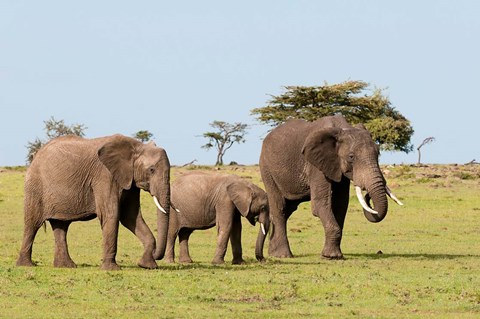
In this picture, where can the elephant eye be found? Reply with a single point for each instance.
(351, 158)
(151, 170)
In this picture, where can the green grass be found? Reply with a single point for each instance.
(422, 261)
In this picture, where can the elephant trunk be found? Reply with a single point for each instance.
(162, 201)
(378, 194)
(162, 230)
(262, 235)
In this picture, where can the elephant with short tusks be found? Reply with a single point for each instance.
(203, 200)
(302, 161)
(76, 179)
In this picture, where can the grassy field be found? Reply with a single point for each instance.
(422, 261)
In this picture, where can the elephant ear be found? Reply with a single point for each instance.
(320, 150)
(241, 196)
(117, 156)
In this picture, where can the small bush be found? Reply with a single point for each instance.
(465, 176)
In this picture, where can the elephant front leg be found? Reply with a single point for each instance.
(222, 242)
(136, 224)
(279, 246)
(183, 237)
(110, 237)
(170, 249)
(322, 208)
(236, 241)
(62, 257)
(333, 233)
(131, 217)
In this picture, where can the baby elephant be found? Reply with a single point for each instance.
(203, 200)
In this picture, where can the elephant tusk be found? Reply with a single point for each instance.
(155, 200)
(263, 229)
(392, 196)
(175, 208)
(362, 201)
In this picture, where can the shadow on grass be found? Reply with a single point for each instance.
(413, 256)
(299, 259)
(249, 265)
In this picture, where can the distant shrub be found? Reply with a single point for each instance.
(424, 180)
(198, 167)
(404, 172)
(465, 176)
(16, 168)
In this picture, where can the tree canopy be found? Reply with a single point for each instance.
(224, 137)
(143, 136)
(389, 128)
(53, 128)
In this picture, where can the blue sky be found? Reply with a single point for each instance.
(173, 67)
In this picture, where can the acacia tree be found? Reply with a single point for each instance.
(53, 128)
(388, 127)
(143, 136)
(425, 142)
(226, 135)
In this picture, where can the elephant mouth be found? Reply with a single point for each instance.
(253, 221)
(143, 185)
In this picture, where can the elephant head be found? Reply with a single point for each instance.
(351, 152)
(251, 201)
(145, 166)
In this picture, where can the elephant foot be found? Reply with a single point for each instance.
(332, 253)
(110, 266)
(185, 260)
(238, 261)
(260, 258)
(147, 264)
(280, 253)
(64, 263)
(334, 257)
(218, 261)
(169, 260)
(24, 262)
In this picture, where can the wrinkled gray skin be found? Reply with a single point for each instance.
(302, 161)
(204, 200)
(76, 179)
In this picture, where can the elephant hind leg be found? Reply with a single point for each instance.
(29, 233)
(62, 257)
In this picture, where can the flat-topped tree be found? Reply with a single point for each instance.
(352, 99)
(224, 137)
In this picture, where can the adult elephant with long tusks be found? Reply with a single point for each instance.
(302, 161)
(203, 200)
(73, 179)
